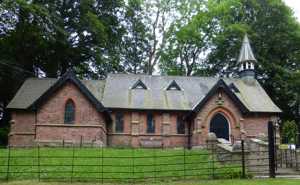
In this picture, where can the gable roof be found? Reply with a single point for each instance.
(30, 91)
(45, 90)
(33, 88)
(221, 85)
(69, 76)
(116, 92)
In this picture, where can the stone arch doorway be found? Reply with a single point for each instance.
(220, 126)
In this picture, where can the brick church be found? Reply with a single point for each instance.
(141, 110)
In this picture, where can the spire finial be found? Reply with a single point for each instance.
(246, 60)
(246, 53)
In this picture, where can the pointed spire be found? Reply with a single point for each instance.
(246, 53)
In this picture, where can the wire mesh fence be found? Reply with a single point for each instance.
(120, 164)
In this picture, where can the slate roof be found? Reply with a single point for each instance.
(116, 92)
(33, 88)
(30, 91)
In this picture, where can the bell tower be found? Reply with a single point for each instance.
(246, 60)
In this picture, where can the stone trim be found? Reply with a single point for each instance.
(259, 142)
(72, 125)
(128, 134)
(21, 133)
(135, 124)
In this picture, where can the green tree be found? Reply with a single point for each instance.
(158, 16)
(135, 42)
(188, 39)
(45, 37)
(275, 38)
(289, 132)
(208, 43)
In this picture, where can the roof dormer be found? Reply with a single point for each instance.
(173, 86)
(139, 85)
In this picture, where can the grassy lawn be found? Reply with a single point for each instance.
(113, 165)
(199, 182)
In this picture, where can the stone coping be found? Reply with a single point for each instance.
(21, 133)
(260, 142)
(143, 135)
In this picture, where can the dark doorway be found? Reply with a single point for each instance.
(220, 126)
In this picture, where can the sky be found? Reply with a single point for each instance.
(295, 5)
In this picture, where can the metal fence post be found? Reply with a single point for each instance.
(39, 169)
(271, 150)
(154, 164)
(133, 178)
(8, 163)
(102, 162)
(243, 160)
(73, 156)
(213, 160)
(184, 163)
(296, 160)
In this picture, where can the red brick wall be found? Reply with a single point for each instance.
(22, 130)
(256, 124)
(251, 125)
(128, 138)
(89, 124)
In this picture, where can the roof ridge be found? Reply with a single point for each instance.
(43, 78)
(177, 76)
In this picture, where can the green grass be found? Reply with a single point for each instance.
(187, 182)
(114, 165)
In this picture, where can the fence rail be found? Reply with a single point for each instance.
(122, 164)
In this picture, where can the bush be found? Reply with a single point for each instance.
(4, 136)
(289, 132)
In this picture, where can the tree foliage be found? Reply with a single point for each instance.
(208, 43)
(275, 39)
(289, 132)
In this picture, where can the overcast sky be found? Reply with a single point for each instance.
(295, 5)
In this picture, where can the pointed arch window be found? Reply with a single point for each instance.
(139, 85)
(173, 86)
(119, 122)
(244, 66)
(69, 112)
(150, 123)
(180, 125)
(220, 126)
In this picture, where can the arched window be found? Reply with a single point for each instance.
(150, 123)
(249, 65)
(220, 126)
(244, 66)
(69, 112)
(119, 127)
(180, 125)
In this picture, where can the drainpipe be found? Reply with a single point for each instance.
(189, 135)
(35, 122)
